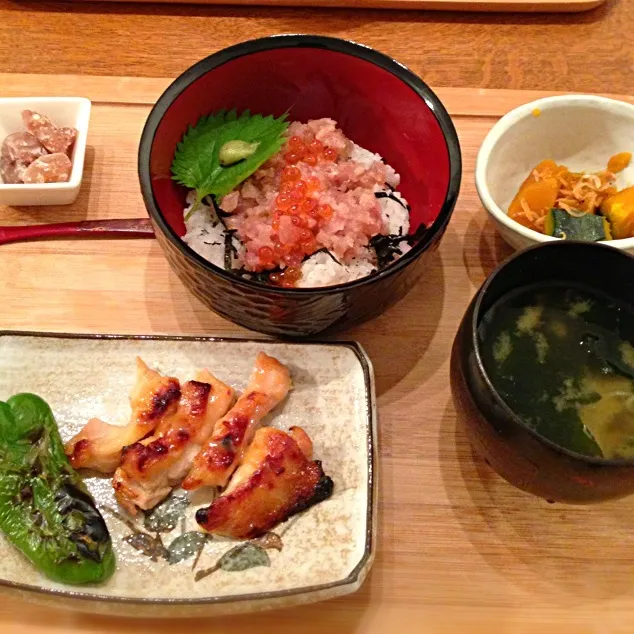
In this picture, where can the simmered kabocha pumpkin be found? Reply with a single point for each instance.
(533, 201)
(619, 162)
(576, 226)
(551, 187)
(619, 210)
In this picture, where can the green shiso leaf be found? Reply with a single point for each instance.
(197, 164)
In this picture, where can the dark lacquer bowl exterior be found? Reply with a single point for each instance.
(515, 451)
(379, 104)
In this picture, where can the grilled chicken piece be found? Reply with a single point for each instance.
(276, 480)
(150, 468)
(268, 386)
(98, 445)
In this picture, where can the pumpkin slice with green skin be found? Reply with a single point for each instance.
(576, 226)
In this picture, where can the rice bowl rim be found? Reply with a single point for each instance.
(347, 47)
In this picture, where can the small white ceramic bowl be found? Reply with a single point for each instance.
(62, 111)
(579, 131)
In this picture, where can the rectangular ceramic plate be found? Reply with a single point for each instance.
(327, 550)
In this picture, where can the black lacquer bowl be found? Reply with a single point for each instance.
(516, 452)
(378, 103)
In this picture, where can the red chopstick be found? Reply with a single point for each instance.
(124, 228)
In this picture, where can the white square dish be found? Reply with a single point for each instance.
(327, 549)
(63, 111)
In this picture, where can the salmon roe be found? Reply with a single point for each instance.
(286, 278)
(297, 216)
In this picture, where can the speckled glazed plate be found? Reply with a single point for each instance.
(326, 551)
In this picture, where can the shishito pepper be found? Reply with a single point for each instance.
(45, 508)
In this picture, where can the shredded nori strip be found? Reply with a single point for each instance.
(229, 248)
(263, 276)
(391, 196)
(219, 212)
(387, 248)
(418, 235)
(322, 250)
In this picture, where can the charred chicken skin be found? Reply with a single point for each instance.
(150, 468)
(268, 386)
(276, 479)
(99, 445)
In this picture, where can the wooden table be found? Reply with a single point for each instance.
(589, 52)
(460, 551)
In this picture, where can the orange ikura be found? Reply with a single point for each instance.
(297, 215)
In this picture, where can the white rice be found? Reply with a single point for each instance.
(321, 269)
(206, 235)
(395, 215)
(367, 158)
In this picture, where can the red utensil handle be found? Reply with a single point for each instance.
(128, 227)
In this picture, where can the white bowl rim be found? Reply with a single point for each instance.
(508, 121)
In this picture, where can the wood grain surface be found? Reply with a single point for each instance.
(586, 52)
(565, 6)
(459, 550)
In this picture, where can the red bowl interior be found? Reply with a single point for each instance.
(372, 106)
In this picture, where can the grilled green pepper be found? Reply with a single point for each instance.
(45, 508)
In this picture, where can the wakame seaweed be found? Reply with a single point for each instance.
(562, 359)
(45, 508)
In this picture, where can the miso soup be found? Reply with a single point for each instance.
(562, 359)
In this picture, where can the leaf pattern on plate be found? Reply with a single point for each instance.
(185, 546)
(165, 516)
(269, 541)
(150, 546)
(240, 557)
(243, 557)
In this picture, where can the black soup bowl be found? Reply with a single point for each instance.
(377, 102)
(514, 450)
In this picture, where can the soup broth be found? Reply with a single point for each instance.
(562, 359)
